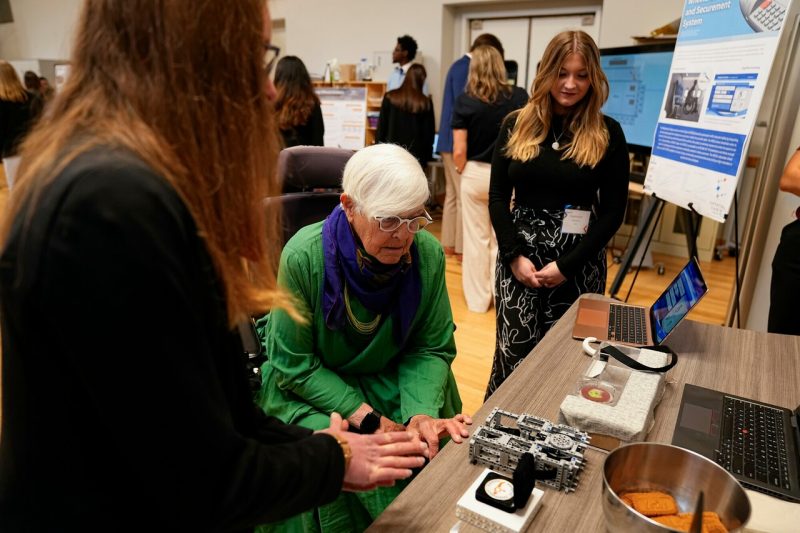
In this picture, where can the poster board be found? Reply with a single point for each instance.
(722, 60)
(62, 74)
(344, 112)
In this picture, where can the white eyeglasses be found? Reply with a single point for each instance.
(414, 225)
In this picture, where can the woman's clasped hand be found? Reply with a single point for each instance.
(549, 276)
(380, 458)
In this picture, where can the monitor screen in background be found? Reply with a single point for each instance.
(679, 298)
(637, 79)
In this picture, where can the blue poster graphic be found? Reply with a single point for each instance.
(713, 150)
(730, 94)
(712, 19)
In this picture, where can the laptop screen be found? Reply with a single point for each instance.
(676, 302)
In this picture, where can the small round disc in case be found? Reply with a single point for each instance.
(497, 491)
(597, 393)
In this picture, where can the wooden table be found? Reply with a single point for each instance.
(747, 363)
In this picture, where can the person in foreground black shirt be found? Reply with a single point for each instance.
(566, 165)
(297, 105)
(133, 243)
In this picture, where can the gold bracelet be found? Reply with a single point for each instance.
(346, 451)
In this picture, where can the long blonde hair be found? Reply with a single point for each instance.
(193, 109)
(487, 75)
(588, 132)
(11, 89)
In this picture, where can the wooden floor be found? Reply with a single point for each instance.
(475, 331)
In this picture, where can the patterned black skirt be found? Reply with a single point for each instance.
(524, 314)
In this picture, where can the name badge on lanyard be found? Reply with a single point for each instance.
(576, 220)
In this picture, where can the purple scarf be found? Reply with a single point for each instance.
(395, 289)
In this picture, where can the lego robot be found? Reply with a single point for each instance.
(557, 449)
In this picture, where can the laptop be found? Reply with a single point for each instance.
(642, 326)
(757, 442)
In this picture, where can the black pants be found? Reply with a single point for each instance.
(525, 315)
(785, 288)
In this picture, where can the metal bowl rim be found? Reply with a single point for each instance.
(613, 492)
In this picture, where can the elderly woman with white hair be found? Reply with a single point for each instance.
(378, 341)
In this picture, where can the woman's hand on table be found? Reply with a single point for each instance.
(550, 276)
(525, 272)
(380, 459)
(430, 430)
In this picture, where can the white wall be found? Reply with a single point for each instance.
(318, 30)
(42, 29)
(625, 18)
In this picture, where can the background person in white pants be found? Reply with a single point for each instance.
(454, 86)
(477, 116)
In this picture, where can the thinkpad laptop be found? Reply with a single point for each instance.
(637, 325)
(757, 442)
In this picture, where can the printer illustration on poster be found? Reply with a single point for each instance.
(764, 15)
(722, 60)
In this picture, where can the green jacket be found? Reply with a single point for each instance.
(313, 371)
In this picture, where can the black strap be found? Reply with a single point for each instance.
(616, 353)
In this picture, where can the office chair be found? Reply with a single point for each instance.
(253, 353)
(312, 182)
(311, 178)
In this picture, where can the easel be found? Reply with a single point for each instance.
(691, 224)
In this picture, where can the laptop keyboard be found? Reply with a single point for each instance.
(753, 442)
(627, 323)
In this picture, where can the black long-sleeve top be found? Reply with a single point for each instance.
(482, 121)
(309, 134)
(125, 401)
(412, 131)
(16, 120)
(550, 183)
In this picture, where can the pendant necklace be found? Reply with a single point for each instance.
(555, 144)
(365, 328)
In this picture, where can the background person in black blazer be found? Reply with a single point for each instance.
(785, 285)
(407, 118)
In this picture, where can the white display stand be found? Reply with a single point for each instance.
(473, 513)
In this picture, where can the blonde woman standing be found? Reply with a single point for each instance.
(477, 116)
(566, 165)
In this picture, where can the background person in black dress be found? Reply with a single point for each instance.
(297, 105)
(785, 285)
(407, 117)
(133, 243)
(566, 165)
(477, 116)
(19, 110)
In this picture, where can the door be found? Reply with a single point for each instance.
(513, 34)
(525, 38)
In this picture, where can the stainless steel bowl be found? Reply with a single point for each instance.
(647, 466)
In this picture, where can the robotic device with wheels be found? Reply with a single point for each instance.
(557, 448)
